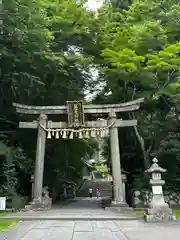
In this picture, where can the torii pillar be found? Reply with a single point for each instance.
(39, 164)
(116, 164)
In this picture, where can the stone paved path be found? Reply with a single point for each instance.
(83, 208)
(91, 230)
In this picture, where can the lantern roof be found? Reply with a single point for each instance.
(155, 167)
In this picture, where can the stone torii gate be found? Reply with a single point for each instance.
(47, 128)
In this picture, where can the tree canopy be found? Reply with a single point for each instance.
(140, 57)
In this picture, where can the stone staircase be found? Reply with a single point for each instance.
(104, 186)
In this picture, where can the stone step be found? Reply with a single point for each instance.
(104, 186)
(123, 210)
(72, 218)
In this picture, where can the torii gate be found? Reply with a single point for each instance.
(47, 128)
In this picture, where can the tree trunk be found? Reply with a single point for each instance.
(142, 145)
(140, 139)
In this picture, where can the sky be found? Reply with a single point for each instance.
(94, 4)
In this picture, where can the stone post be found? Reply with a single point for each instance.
(32, 187)
(116, 165)
(39, 165)
(124, 180)
(65, 192)
(158, 209)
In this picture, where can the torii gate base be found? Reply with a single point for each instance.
(42, 124)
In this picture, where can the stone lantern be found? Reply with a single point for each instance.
(158, 209)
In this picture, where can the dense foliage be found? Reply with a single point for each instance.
(43, 62)
(53, 51)
(140, 58)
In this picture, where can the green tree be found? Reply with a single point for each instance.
(45, 61)
(139, 57)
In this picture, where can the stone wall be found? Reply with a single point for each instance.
(141, 198)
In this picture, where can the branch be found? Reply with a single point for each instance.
(134, 91)
(167, 81)
(8, 121)
(155, 78)
(150, 145)
(139, 137)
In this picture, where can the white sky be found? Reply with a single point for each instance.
(94, 4)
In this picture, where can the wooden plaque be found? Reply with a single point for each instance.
(75, 113)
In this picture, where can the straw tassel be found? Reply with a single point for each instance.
(64, 135)
(71, 136)
(87, 134)
(49, 134)
(57, 133)
(80, 135)
(101, 134)
(93, 133)
(53, 133)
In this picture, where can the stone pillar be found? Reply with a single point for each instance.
(116, 165)
(39, 165)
